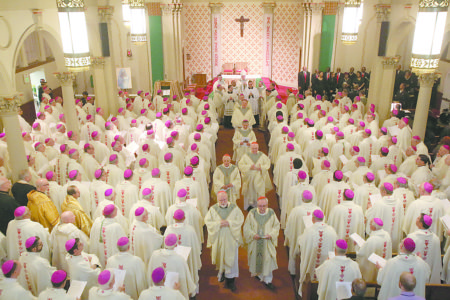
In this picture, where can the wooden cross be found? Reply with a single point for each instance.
(242, 20)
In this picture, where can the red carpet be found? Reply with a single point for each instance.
(247, 287)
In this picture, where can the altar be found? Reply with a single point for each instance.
(229, 78)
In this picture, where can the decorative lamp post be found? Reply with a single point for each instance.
(138, 22)
(351, 20)
(72, 22)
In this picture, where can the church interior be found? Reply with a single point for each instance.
(102, 50)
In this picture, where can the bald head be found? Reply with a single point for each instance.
(359, 287)
(41, 183)
(407, 282)
(5, 184)
(67, 217)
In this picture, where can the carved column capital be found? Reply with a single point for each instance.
(390, 62)
(98, 61)
(105, 12)
(383, 12)
(166, 10)
(317, 8)
(428, 79)
(215, 7)
(269, 7)
(10, 103)
(65, 78)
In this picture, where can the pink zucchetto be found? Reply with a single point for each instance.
(182, 193)
(7, 266)
(89, 117)
(318, 107)
(113, 157)
(150, 132)
(169, 140)
(394, 139)
(158, 91)
(416, 137)
(340, 134)
(58, 276)
(144, 147)
(128, 173)
(197, 136)
(428, 187)
(342, 244)
(319, 132)
(120, 110)
(168, 123)
(139, 211)
(174, 134)
(168, 156)
(307, 195)
(143, 111)
(325, 150)
(326, 163)
(362, 124)
(290, 146)
(35, 125)
(30, 241)
(349, 194)
(356, 149)
(446, 147)
(346, 109)
(291, 134)
(49, 175)
(405, 120)
(427, 220)
(393, 168)
(109, 209)
(142, 162)
(378, 221)
(108, 192)
(158, 114)
(338, 174)
(146, 192)
(318, 214)
(401, 180)
(194, 160)
(134, 121)
(170, 240)
(155, 172)
(20, 211)
(70, 244)
(285, 129)
(368, 131)
(199, 127)
(194, 147)
(370, 176)
(158, 275)
(73, 174)
(123, 241)
(104, 277)
(72, 151)
(388, 186)
(299, 115)
(361, 159)
(188, 171)
(385, 150)
(178, 214)
(98, 173)
(279, 105)
(351, 121)
(319, 97)
(330, 119)
(280, 118)
(301, 174)
(409, 244)
(184, 111)
(24, 134)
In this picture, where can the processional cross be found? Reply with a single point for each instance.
(242, 20)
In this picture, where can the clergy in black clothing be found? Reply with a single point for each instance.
(304, 79)
(21, 188)
(7, 204)
(358, 289)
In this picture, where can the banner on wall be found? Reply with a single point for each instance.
(215, 43)
(267, 44)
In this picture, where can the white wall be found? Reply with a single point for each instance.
(26, 89)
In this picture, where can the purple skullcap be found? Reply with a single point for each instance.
(336, 101)
(285, 129)
(139, 92)
(394, 140)
(356, 149)
(146, 94)
(338, 174)
(447, 147)
(72, 151)
(146, 192)
(24, 134)
(346, 108)
(182, 193)
(290, 146)
(388, 186)
(318, 214)
(325, 150)
(307, 195)
(7, 266)
(302, 106)
(168, 156)
(188, 101)
(104, 277)
(113, 157)
(205, 98)
(194, 147)
(184, 111)
(58, 276)
(113, 119)
(405, 120)
(70, 244)
(155, 172)
(30, 241)
(318, 107)
(351, 121)
(414, 148)
(158, 114)
(368, 131)
(401, 180)
(158, 275)
(77, 101)
(428, 187)
(280, 118)
(319, 97)
(144, 147)
(143, 111)
(129, 105)
(158, 91)
(98, 173)
(416, 137)
(299, 115)
(427, 220)
(170, 240)
(197, 136)
(279, 105)
(362, 124)
(323, 112)
(291, 134)
(20, 211)
(349, 194)
(395, 112)
(278, 97)
(378, 221)
(120, 109)
(330, 119)
(342, 244)
(123, 241)
(178, 214)
(49, 175)
(108, 192)
(326, 163)
(88, 117)
(37, 144)
(207, 120)
(340, 134)
(385, 150)
(97, 110)
(393, 168)
(58, 126)
(108, 209)
(139, 211)
(361, 159)
(354, 105)
(2, 135)
(169, 140)
(142, 161)
(69, 134)
(319, 133)
(174, 97)
(150, 132)
(409, 244)
(300, 96)
(174, 133)
(206, 106)
(38, 114)
(35, 125)
(370, 176)
(168, 123)
(194, 160)
(134, 121)
(372, 109)
(128, 173)
(188, 171)
(73, 174)
(301, 174)
(199, 127)
(107, 124)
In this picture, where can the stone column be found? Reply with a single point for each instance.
(268, 17)
(177, 8)
(315, 35)
(100, 90)
(37, 18)
(66, 79)
(423, 103)
(387, 87)
(168, 42)
(216, 36)
(306, 26)
(9, 105)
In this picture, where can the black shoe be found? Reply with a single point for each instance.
(229, 284)
(222, 277)
(270, 286)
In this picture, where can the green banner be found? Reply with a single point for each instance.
(327, 41)
(156, 48)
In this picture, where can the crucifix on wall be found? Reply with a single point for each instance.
(242, 20)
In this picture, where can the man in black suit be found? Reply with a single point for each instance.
(7, 204)
(304, 80)
(339, 78)
(358, 289)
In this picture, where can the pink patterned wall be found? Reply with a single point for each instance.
(287, 37)
(197, 38)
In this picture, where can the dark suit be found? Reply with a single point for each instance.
(304, 82)
(7, 207)
(339, 80)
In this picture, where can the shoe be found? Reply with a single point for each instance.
(222, 277)
(270, 286)
(229, 284)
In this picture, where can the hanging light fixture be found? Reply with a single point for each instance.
(126, 14)
(72, 22)
(351, 20)
(138, 22)
(428, 35)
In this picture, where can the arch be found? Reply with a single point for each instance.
(398, 35)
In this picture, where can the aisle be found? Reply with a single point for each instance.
(247, 287)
